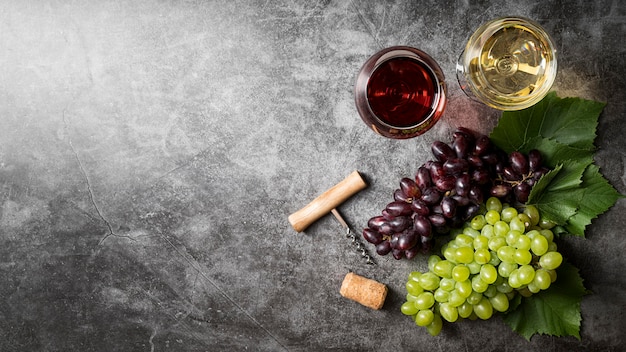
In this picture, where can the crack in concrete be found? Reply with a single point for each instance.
(194, 264)
(372, 32)
(88, 182)
(150, 341)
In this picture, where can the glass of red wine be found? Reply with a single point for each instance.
(400, 92)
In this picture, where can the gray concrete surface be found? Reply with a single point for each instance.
(151, 151)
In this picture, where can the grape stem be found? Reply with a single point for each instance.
(525, 177)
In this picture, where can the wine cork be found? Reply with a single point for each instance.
(366, 291)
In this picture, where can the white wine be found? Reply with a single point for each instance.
(509, 64)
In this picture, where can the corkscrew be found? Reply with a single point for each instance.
(328, 202)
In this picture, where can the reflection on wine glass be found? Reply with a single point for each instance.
(400, 92)
(508, 63)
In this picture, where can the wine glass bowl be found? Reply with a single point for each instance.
(508, 63)
(400, 92)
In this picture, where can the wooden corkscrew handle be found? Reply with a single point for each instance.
(327, 201)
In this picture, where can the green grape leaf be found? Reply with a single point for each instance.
(555, 311)
(542, 184)
(558, 194)
(598, 197)
(560, 206)
(570, 176)
(569, 121)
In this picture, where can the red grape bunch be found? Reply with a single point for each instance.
(518, 177)
(448, 191)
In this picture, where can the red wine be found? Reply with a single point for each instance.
(402, 92)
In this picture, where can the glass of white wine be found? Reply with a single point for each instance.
(508, 63)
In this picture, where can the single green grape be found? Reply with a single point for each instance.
(512, 236)
(415, 275)
(500, 302)
(532, 287)
(448, 312)
(464, 288)
(488, 231)
(523, 242)
(410, 298)
(443, 268)
(493, 203)
(483, 309)
(464, 255)
(434, 328)
(517, 224)
(432, 260)
(471, 232)
(424, 317)
(495, 261)
(474, 267)
(533, 213)
(492, 217)
(550, 260)
(505, 268)
(478, 222)
(474, 298)
(546, 224)
(424, 301)
(408, 308)
(414, 288)
(533, 233)
(539, 245)
(525, 219)
(526, 274)
(497, 242)
(523, 256)
(463, 240)
(488, 273)
(481, 242)
(448, 253)
(506, 254)
(501, 228)
(460, 272)
(429, 281)
(548, 234)
(447, 284)
(465, 310)
(504, 287)
(456, 299)
(508, 214)
(441, 295)
(478, 285)
(514, 279)
(542, 279)
(482, 256)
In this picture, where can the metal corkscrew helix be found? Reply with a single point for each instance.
(354, 239)
(328, 202)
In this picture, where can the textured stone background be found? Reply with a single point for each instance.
(151, 151)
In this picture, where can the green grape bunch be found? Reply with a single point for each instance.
(500, 253)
